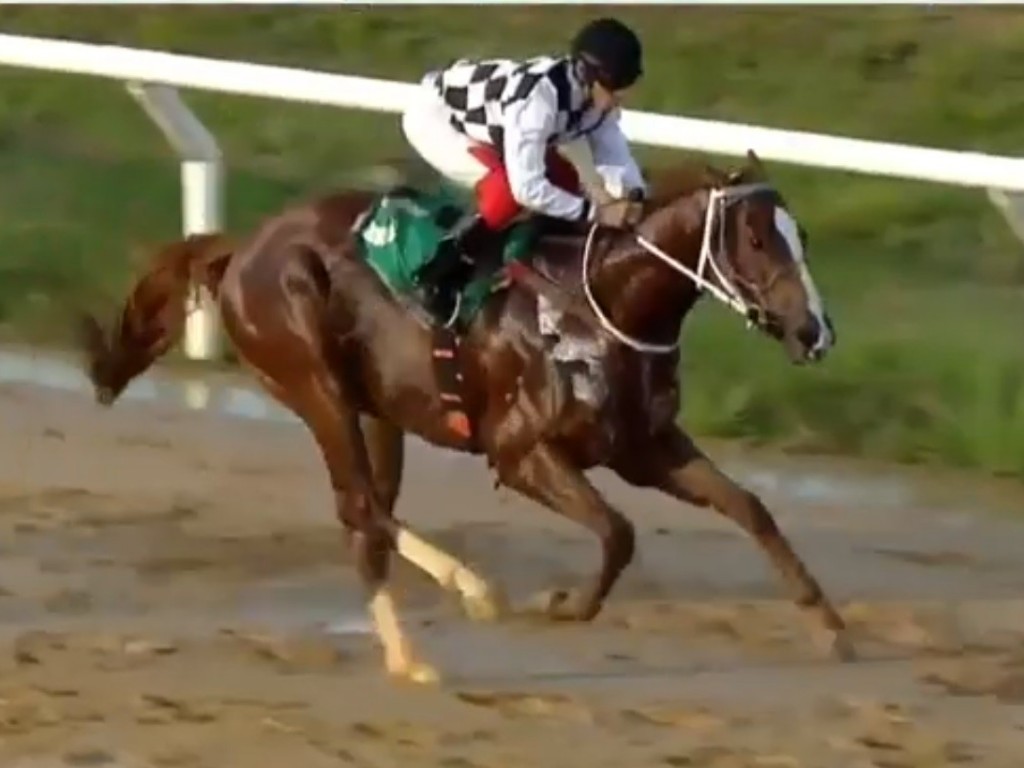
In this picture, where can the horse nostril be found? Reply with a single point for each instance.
(808, 333)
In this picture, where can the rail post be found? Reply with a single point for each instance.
(1011, 205)
(202, 203)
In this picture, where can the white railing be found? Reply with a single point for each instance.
(152, 76)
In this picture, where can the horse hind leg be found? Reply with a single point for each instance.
(286, 354)
(373, 531)
(335, 425)
(337, 430)
(385, 446)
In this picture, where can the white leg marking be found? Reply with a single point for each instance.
(787, 227)
(398, 658)
(446, 570)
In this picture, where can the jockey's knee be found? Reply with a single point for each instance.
(495, 202)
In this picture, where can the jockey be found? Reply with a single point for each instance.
(494, 126)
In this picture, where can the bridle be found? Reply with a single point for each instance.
(720, 285)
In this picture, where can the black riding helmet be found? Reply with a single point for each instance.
(609, 53)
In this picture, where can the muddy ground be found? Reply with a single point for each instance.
(174, 592)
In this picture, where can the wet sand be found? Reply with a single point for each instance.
(174, 591)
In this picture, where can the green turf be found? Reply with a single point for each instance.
(924, 281)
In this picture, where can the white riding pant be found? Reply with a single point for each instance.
(426, 128)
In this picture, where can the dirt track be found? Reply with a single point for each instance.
(173, 592)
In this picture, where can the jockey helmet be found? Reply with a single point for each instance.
(608, 53)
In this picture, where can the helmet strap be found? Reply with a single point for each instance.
(589, 72)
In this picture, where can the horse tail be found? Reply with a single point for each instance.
(152, 318)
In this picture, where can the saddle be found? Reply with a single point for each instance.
(542, 274)
(399, 236)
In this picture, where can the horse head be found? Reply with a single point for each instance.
(752, 254)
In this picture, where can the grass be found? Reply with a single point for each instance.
(924, 282)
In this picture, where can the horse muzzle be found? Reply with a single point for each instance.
(814, 338)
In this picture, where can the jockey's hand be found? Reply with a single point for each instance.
(619, 214)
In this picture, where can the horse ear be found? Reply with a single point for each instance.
(755, 165)
(718, 176)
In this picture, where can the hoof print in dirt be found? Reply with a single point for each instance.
(289, 654)
(555, 605)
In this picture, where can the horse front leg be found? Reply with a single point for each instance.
(547, 477)
(676, 466)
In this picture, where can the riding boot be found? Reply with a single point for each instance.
(444, 276)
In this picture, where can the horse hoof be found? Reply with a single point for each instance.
(423, 674)
(556, 605)
(560, 604)
(837, 645)
(843, 648)
(485, 607)
(417, 672)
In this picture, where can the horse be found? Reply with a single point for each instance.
(325, 337)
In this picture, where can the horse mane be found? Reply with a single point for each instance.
(673, 182)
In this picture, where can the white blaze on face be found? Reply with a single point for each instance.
(787, 227)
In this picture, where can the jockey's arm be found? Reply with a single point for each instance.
(610, 148)
(528, 125)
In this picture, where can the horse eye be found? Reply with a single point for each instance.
(756, 242)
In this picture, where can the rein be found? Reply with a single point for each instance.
(719, 199)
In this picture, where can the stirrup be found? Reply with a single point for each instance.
(449, 324)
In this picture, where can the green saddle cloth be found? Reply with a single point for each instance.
(401, 232)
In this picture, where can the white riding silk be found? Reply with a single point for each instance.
(725, 290)
(426, 126)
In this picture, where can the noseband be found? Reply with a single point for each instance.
(712, 249)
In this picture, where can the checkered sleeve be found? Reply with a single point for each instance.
(609, 145)
(529, 123)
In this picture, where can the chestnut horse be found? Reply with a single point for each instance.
(328, 340)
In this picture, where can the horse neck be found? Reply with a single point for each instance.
(647, 298)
